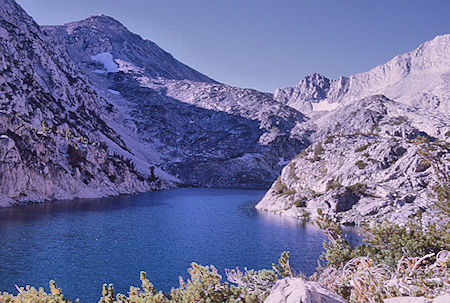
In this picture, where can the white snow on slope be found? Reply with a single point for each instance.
(108, 62)
(324, 105)
(114, 92)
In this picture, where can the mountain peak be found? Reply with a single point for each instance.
(102, 19)
(439, 39)
(103, 34)
(314, 78)
(101, 22)
(419, 78)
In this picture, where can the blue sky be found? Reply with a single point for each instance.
(267, 44)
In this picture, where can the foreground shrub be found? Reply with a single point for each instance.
(363, 280)
(204, 285)
(384, 242)
(32, 295)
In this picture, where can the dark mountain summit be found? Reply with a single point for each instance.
(103, 34)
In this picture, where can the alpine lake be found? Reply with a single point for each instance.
(83, 244)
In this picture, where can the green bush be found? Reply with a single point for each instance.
(328, 140)
(362, 148)
(361, 164)
(292, 174)
(301, 202)
(31, 295)
(204, 285)
(281, 189)
(333, 184)
(359, 189)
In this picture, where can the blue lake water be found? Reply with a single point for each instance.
(85, 243)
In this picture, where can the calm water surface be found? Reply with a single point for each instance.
(83, 244)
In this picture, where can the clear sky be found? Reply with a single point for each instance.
(267, 44)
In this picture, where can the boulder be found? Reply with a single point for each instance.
(298, 290)
(343, 200)
(442, 299)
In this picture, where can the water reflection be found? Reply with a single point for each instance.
(37, 211)
(276, 219)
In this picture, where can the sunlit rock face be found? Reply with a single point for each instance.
(367, 162)
(53, 137)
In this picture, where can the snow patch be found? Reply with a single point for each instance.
(108, 62)
(324, 105)
(114, 92)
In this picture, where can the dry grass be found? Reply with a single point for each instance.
(361, 280)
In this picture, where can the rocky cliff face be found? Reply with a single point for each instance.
(206, 133)
(53, 137)
(385, 117)
(420, 78)
(355, 178)
(365, 164)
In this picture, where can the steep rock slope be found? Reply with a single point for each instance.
(365, 164)
(53, 137)
(208, 134)
(420, 78)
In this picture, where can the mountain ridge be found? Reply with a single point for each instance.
(382, 120)
(397, 79)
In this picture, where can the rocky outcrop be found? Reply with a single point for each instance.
(205, 133)
(382, 116)
(364, 164)
(298, 290)
(420, 78)
(54, 141)
(355, 178)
